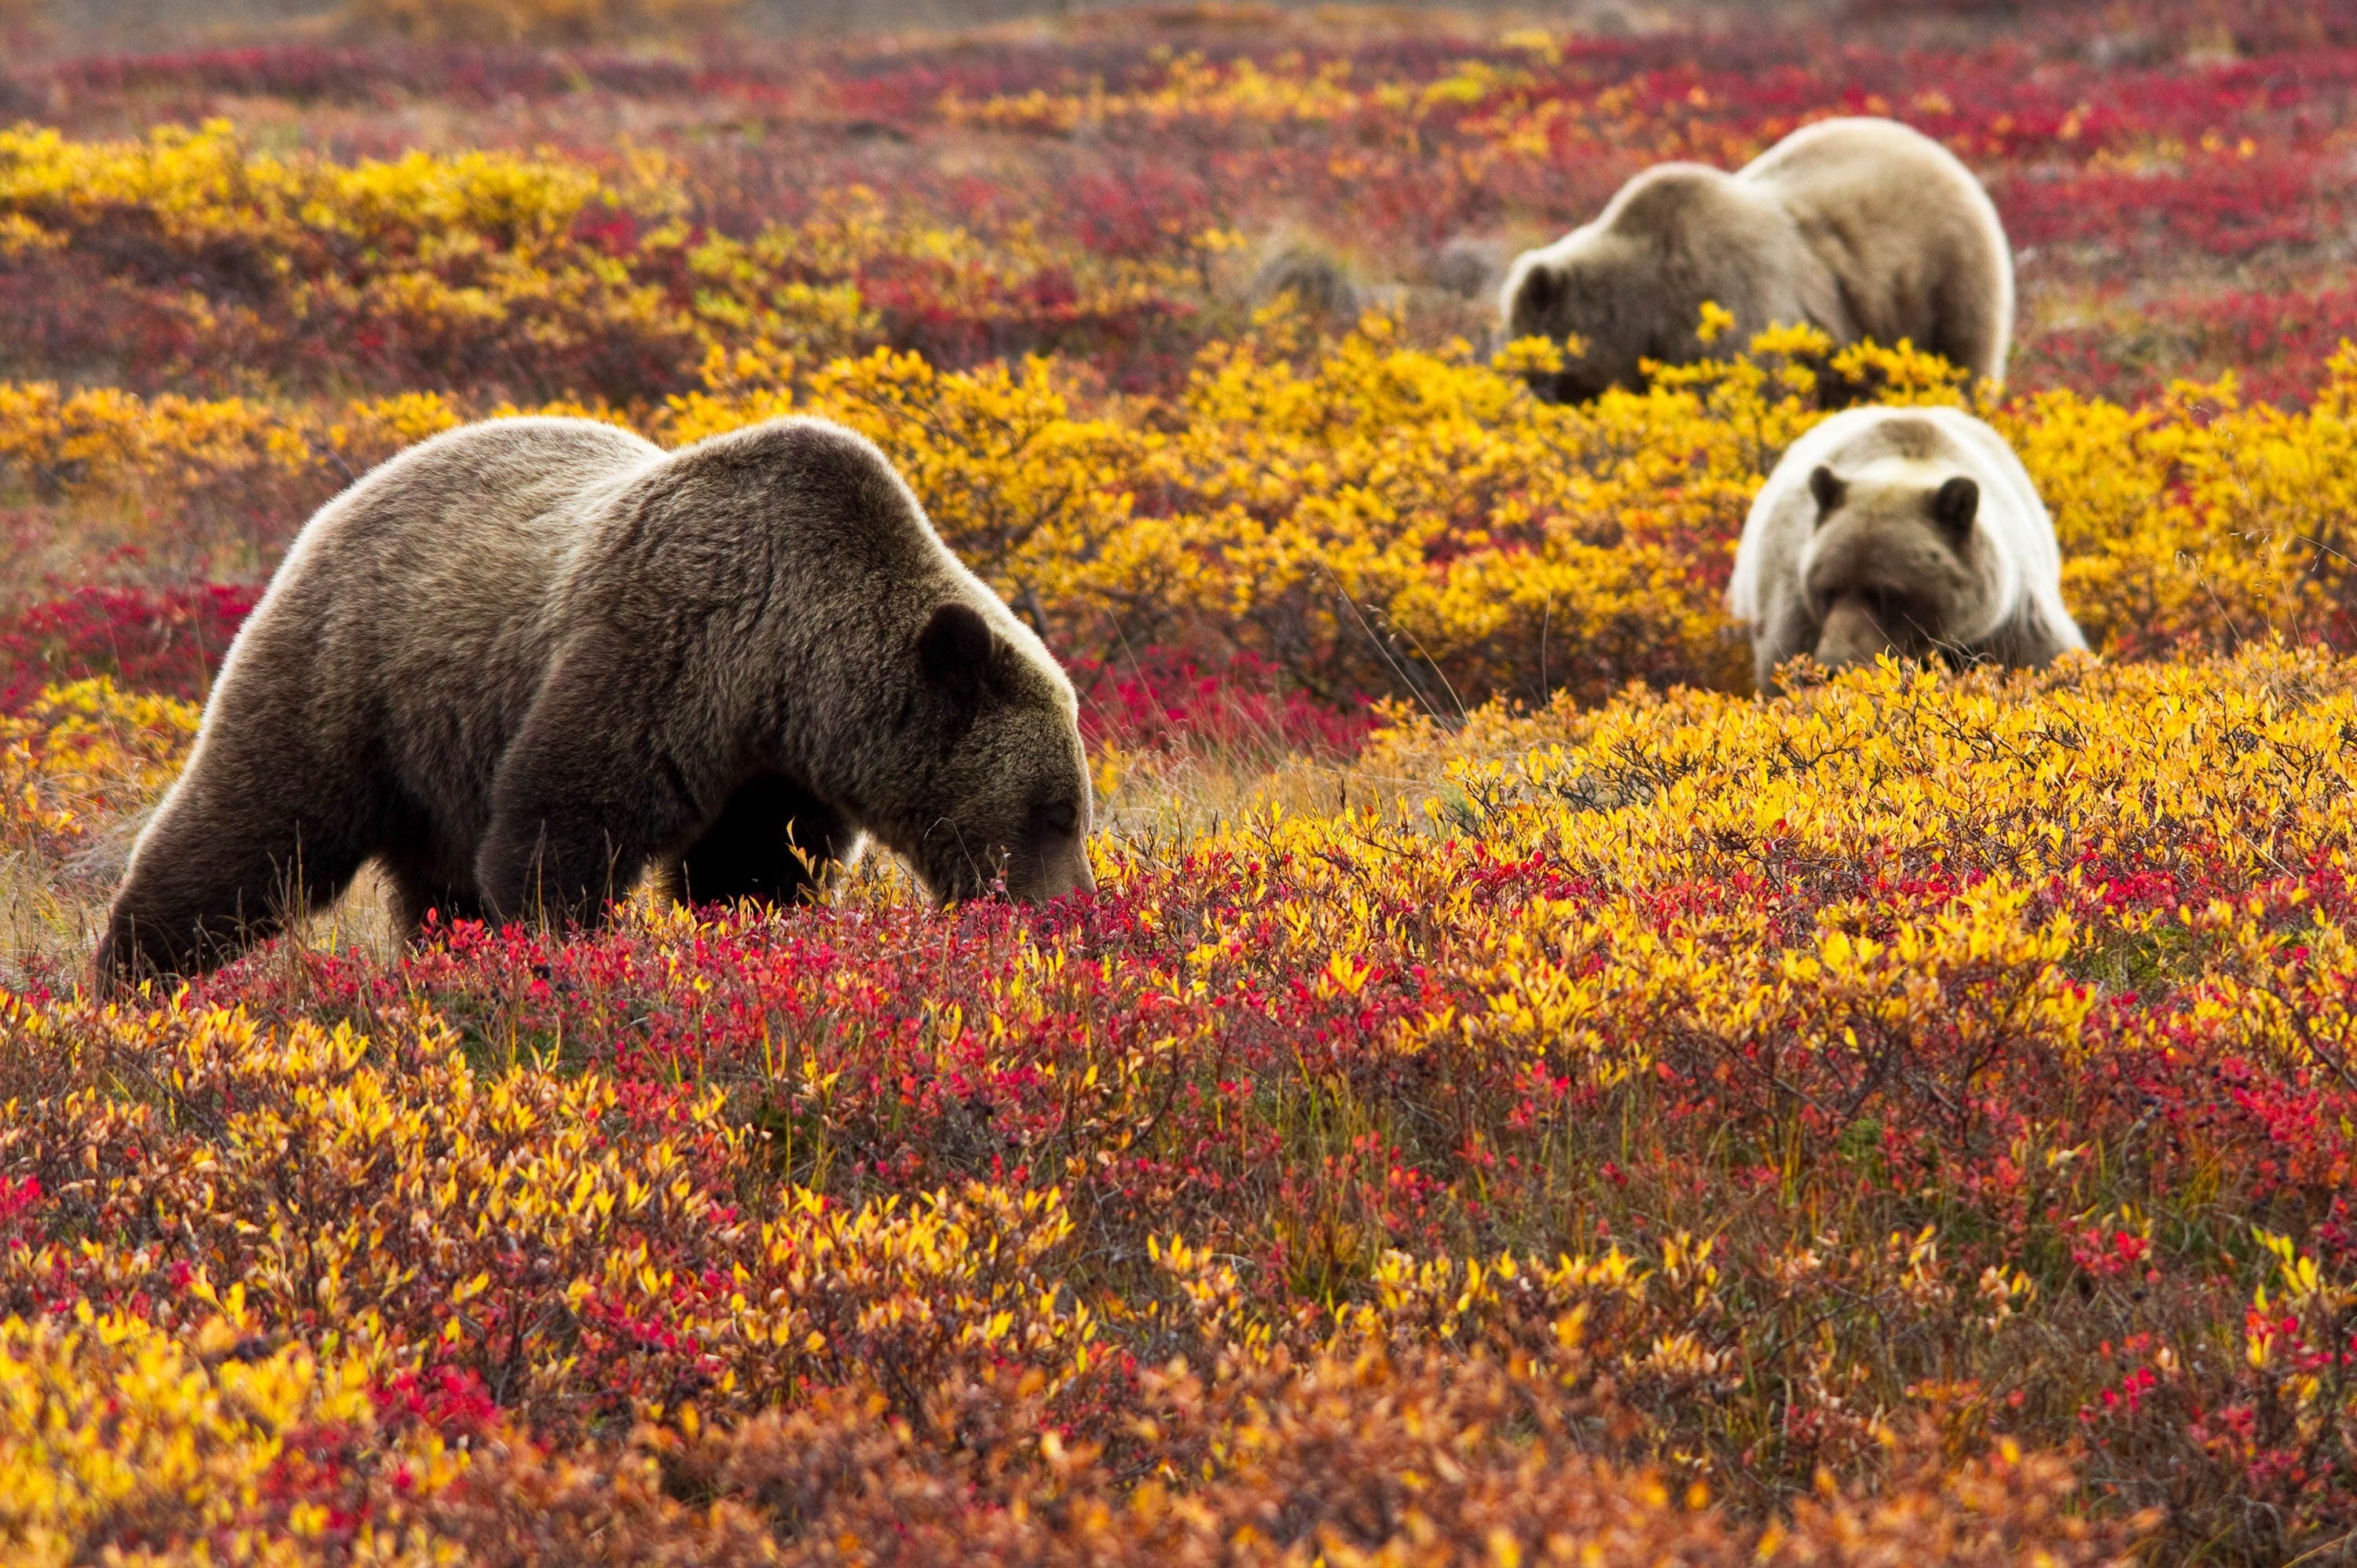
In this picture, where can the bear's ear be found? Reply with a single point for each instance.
(1954, 506)
(1536, 293)
(1826, 486)
(956, 651)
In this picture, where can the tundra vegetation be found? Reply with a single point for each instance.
(1514, 1095)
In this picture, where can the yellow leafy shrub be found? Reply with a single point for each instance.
(1374, 518)
(2197, 522)
(103, 439)
(207, 185)
(83, 755)
(539, 1255)
(121, 1437)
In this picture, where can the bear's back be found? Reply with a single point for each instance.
(1668, 193)
(1686, 207)
(409, 622)
(1908, 230)
(456, 540)
(1877, 169)
(481, 514)
(802, 511)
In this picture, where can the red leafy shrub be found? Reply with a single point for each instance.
(2131, 351)
(378, 75)
(1163, 700)
(150, 639)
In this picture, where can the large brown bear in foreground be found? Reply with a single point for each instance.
(1913, 531)
(1863, 228)
(527, 660)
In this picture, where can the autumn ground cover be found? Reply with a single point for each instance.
(1515, 1097)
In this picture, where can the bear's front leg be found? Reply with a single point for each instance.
(1788, 631)
(586, 793)
(772, 841)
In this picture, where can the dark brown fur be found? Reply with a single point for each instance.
(526, 661)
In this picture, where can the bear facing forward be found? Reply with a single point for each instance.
(1902, 530)
(526, 661)
(1863, 228)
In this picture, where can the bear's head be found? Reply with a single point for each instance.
(1897, 563)
(1587, 289)
(1630, 285)
(994, 790)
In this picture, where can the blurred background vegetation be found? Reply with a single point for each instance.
(150, 24)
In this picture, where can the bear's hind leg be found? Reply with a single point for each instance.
(1972, 322)
(772, 841)
(204, 886)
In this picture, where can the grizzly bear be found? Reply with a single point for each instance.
(1904, 531)
(525, 660)
(1861, 227)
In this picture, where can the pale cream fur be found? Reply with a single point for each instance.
(1863, 228)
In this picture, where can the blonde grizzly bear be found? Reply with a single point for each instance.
(525, 660)
(1911, 532)
(1863, 228)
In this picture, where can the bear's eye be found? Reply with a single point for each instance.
(1057, 817)
(1894, 608)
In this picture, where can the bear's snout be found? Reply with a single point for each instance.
(1058, 876)
(1851, 636)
